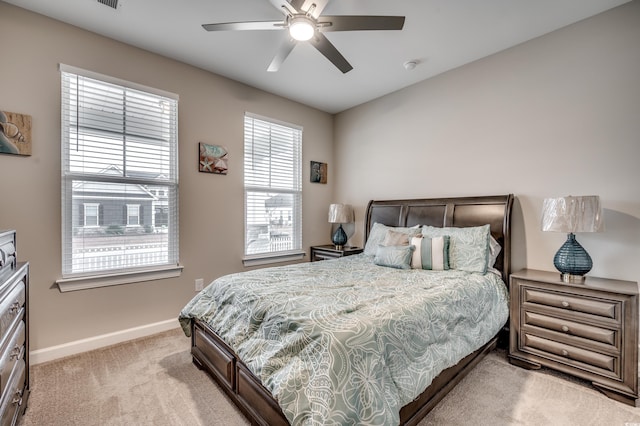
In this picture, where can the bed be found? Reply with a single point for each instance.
(231, 342)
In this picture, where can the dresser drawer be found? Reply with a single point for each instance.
(571, 328)
(573, 302)
(12, 352)
(12, 305)
(12, 397)
(568, 354)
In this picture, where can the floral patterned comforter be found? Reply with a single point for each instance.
(345, 341)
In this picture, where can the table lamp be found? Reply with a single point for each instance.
(571, 215)
(340, 213)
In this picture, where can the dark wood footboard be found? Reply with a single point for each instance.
(214, 356)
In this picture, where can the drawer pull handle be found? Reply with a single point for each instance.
(15, 307)
(17, 397)
(565, 304)
(565, 328)
(15, 352)
(565, 353)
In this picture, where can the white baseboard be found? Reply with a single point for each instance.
(72, 348)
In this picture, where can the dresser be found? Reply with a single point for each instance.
(14, 331)
(329, 251)
(588, 329)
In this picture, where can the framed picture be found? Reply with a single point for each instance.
(318, 172)
(213, 159)
(15, 133)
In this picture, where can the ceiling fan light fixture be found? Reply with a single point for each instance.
(301, 28)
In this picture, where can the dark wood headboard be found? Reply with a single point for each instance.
(459, 212)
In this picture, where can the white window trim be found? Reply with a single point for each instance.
(97, 280)
(106, 280)
(272, 257)
(267, 259)
(114, 80)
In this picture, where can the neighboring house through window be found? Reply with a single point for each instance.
(272, 190)
(120, 176)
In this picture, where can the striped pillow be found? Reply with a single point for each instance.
(430, 253)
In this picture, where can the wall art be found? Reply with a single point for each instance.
(213, 159)
(15, 133)
(318, 172)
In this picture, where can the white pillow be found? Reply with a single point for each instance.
(430, 253)
(469, 247)
(379, 232)
(494, 251)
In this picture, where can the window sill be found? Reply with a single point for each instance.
(266, 259)
(106, 280)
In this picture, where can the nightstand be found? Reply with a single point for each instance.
(588, 329)
(329, 251)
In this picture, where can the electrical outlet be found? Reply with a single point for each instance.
(199, 284)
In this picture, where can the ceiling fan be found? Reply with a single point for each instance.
(304, 22)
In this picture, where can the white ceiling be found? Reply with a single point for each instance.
(438, 34)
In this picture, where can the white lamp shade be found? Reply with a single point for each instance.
(341, 213)
(572, 214)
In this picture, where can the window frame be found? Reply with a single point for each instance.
(136, 215)
(72, 280)
(294, 190)
(97, 207)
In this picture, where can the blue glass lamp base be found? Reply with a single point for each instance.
(339, 238)
(572, 260)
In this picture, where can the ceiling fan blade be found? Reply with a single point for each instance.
(284, 6)
(257, 25)
(325, 47)
(285, 48)
(360, 23)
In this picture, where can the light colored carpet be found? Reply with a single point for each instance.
(152, 381)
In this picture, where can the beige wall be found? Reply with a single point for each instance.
(211, 110)
(555, 116)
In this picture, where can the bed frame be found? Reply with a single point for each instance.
(211, 354)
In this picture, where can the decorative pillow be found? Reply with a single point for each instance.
(379, 232)
(494, 251)
(398, 257)
(430, 253)
(395, 238)
(468, 247)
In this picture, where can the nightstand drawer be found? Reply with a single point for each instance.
(571, 328)
(329, 251)
(569, 353)
(324, 256)
(573, 302)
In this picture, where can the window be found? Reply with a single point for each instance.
(133, 214)
(272, 190)
(91, 214)
(119, 169)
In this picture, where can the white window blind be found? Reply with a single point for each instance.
(119, 176)
(272, 187)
